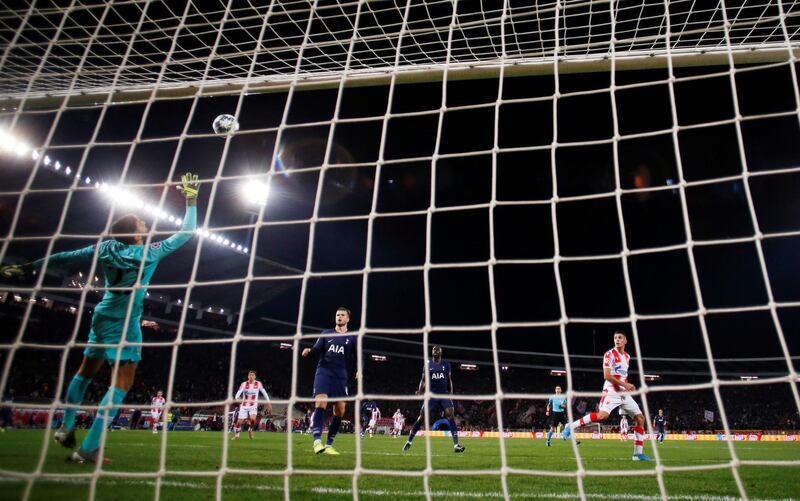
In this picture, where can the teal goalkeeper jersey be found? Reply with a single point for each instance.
(121, 262)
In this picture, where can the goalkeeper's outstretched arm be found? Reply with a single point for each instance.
(190, 187)
(61, 258)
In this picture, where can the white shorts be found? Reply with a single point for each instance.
(155, 415)
(623, 430)
(247, 413)
(371, 423)
(611, 401)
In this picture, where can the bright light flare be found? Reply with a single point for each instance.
(255, 192)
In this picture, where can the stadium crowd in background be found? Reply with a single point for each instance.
(761, 407)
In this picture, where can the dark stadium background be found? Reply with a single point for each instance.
(729, 274)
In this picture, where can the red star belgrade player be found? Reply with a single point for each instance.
(615, 372)
(248, 409)
(156, 408)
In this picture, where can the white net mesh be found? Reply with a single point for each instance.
(144, 44)
(118, 98)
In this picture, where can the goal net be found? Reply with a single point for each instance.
(511, 181)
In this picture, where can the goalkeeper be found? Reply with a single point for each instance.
(121, 257)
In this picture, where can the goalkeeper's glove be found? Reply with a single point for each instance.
(190, 185)
(16, 271)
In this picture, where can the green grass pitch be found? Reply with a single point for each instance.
(138, 451)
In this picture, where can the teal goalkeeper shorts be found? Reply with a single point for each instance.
(108, 330)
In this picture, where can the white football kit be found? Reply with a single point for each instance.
(156, 406)
(249, 392)
(376, 414)
(618, 363)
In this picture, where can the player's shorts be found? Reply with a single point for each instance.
(108, 330)
(329, 384)
(611, 401)
(660, 429)
(371, 423)
(443, 403)
(624, 431)
(155, 415)
(247, 412)
(557, 418)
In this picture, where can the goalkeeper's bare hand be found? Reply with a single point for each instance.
(190, 186)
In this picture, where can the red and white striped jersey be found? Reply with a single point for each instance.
(376, 413)
(248, 392)
(398, 418)
(618, 363)
(157, 403)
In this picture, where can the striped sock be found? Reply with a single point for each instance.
(638, 443)
(589, 418)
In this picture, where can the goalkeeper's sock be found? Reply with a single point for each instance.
(115, 396)
(414, 429)
(75, 391)
(638, 434)
(589, 418)
(317, 422)
(333, 429)
(453, 430)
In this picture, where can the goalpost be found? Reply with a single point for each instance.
(98, 57)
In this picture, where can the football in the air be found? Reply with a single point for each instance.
(225, 124)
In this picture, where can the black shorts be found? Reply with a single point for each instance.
(557, 418)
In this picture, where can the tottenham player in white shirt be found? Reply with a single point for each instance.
(248, 409)
(615, 372)
(373, 420)
(156, 408)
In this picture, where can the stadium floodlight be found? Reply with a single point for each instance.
(504, 368)
(748, 378)
(558, 372)
(285, 346)
(22, 149)
(378, 358)
(651, 377)
(468, 367)
(255, 192)
(6, 140)
(67, 171)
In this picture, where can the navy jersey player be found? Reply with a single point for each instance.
(439, 378)
(330, 381)
(659, 423)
